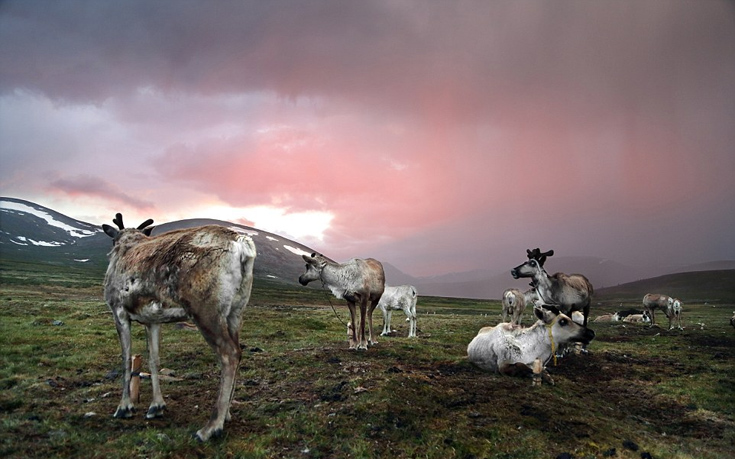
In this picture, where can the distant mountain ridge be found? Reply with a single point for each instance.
(31, 232)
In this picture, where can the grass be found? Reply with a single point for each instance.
(301, 393)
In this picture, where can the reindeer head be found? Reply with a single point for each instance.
(144, 229)
(538, 255)
(531, 268)
(314, 266)
(562, 328)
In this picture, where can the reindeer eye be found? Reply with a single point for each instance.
(563, 322)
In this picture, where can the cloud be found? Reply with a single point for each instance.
(441, 134)
(89, 186)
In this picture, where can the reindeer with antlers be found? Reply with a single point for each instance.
(204, 274)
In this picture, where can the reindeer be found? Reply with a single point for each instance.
(512, 350)
(359, 282)
(567, 292)
(674, 314)
(514, 303)
(651, 301)
(398, 298)
(204, 274)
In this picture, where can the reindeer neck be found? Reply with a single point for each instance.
(332, 277)
(543, 280)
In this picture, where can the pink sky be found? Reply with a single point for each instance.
(436, 136)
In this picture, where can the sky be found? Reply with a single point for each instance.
(436, 136)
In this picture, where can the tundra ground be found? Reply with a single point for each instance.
(301, 393)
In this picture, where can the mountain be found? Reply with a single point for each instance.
(715, 286)
(30, 232)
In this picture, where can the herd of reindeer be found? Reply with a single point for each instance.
(205, 275)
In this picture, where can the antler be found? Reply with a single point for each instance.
(538, 255)
(118, 221)
(145, 223)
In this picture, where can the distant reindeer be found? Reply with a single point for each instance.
(653, 301)
(638, 318)
(400, 298)
(569, 293)
(512, 350)
(674, 314)
(359, 282)
(514, 302)
(204, 274)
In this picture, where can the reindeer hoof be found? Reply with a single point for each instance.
(124, 412)
(202, 436)
(155, 411)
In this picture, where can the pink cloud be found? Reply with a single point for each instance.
(90, 186)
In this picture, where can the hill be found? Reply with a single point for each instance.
(697, 286)
(30, 232)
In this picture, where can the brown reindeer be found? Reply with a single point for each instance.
(360, 282)
(569, 293)
(653, 301)
(203, 274)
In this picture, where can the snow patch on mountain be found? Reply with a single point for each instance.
(7, 206)
(295, 250)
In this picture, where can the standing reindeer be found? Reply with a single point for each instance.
(402, 297)
(204, 274)
(359, 282)
(514, 303)
(569, 293)
(653, 301)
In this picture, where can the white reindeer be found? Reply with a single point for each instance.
(514, 303)
(653, 301)
(512, 350)
(359, 282)
(569, 293)
(674, 314)
(638, 318)
(402, 297)
(203, 274)
(607, 318)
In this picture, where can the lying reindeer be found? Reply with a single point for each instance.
(512, 350)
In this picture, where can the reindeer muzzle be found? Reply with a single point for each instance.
(514, 273)
(303, 281)
(587, 336)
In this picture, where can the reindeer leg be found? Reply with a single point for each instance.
(157, 404)
(362, 343)
(386, 323)
(373, 305)
(353, 322)
(122, 323)
(229, 353)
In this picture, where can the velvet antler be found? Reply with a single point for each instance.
(538, 255)
(145, 223)
(118, 221)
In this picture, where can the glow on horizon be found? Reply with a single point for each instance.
(295, 225)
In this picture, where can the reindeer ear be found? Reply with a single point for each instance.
(148, 231)
(110, 231)
(546, 313)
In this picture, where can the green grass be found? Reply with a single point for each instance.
(301, 393)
